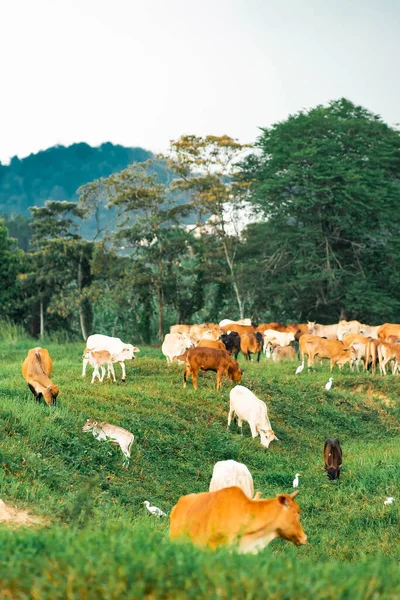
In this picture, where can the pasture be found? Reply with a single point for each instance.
(97, 539)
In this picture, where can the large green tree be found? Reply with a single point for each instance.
(10, 261)
(328, 183)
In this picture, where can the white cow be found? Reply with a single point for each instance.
(240, 322)
(111, 433)
(175, 344)
(120, 352)
(249, 408)
(274, 338)
(370, 331)
(347, 328)
(228, 473)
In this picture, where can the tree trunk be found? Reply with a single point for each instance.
(234, 283)
(160, 314)
(81, 306)
(41, 319)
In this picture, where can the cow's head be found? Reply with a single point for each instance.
(89, 425)
(333, 472)
(234, 372)
(267, 436)
(128, 351)
(311, 326)
(346, 356)
(288, 521)
(50, 394)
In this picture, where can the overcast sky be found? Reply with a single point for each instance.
(143, 72)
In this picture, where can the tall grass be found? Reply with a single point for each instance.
(100, 539)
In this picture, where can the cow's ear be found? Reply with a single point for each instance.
(284, 500)
(340, 466)
(323, 468)
(294, 494)
(136, 349)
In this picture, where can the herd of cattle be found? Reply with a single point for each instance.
(229, 512)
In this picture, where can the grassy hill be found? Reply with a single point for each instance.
(100, 542)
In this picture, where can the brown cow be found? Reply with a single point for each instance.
(283, 353)
(210, 359)
(387, 329)
(251, 343)
(386, 353)
(332, 458)
(240, 329)
(313, 346)
(204, 343)
(36, 370)
(229, 517)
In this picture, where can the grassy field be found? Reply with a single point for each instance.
(98, 541)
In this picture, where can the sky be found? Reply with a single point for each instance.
(144, 72)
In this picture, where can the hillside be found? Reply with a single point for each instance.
(101, 543)
(57, 173)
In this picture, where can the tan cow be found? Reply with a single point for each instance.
(240, 329)
(384, 331)
(386, 353)
(283, 353)
(229, 517)
(205, 343)
(361, 345)
(251, 343)
(36, 370)
(327, 331)
(313, 345)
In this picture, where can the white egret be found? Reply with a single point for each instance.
(157, 512)
(329, 384)
(389, 500)
(296, 480)
(300, 368)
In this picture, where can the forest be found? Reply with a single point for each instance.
(168, 242)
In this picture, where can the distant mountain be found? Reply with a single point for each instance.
(57, 173)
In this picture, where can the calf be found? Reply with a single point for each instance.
(98, 360)
(283, 353)
(274, 338)
(210, 359)
(231, 342)
(227, 473)
(251, 343)
(248, 407)
(36, 370)
(119, 351)
(332, 458)
(111, 433)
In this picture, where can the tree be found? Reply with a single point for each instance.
(206, 167)
(10, 260)
(328, 183)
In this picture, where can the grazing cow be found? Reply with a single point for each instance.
(36, 370)
(210, 359)
(206, 343)
(120, 352)
(227, 473)
(388, 352)
(231, 342)
(248, 407)
(174, 345)
(111, 433)
(274, 338)
(313, 345)
(240, 322)
(332, 458)
(229, 517)
(347, 328)
(251, 343)
(369, 331)
(327, 331)
(283, 353)
(384, 331)
(99, 359)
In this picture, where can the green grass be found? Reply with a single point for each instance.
(101, 543)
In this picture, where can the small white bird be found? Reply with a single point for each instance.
(296, 480)
(300, 368)
(389, 500)
(329, 384)
(157, 512)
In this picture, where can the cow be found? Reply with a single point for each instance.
(360, 343)
(210, 359)
(120, 352)
(231, 342)
(388, 352)
(227, 473)
(210, 330)
(332, 458)
(313, 345)
(175, 344)
(248, 407)
(111, 433)
(251, 343)
(229, 322)
(263, 326)
(274, 338)
(185, 329)
(347, 328)
(36, 370)
(229, 517)
(240, 329)
(283, 353)
(384, 331)
(369, 331)
(327, 331)
(99, 359)
(206, 343)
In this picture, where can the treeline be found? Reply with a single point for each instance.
(324, 183)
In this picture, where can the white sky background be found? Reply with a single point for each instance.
(143, 72)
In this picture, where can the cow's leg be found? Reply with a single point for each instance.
(231, 411)
(258, 357)
(123, 370)
(84, 365)
(103, 372)
(95, 374)
(186, 374)
(253, 430)
(113, 372)
(195, 373)
(219, 379)
(33, 391)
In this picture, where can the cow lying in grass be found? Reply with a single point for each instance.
(111, 433)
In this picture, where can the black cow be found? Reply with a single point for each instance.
(232, 342)
(333, 458)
